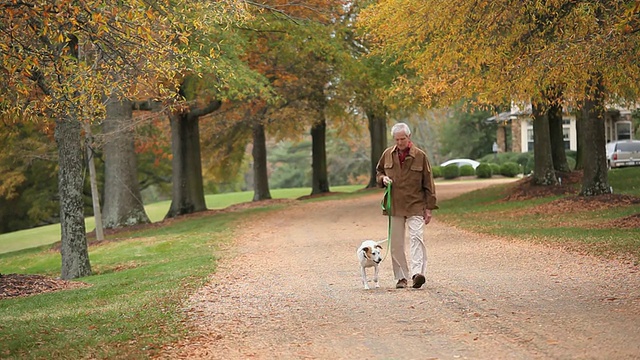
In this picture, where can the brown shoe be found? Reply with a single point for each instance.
(401, 284)
(418, 281)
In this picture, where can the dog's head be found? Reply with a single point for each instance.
(373, 253)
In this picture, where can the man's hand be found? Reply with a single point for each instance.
(427, 216)
(386, 180)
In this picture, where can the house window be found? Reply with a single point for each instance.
(566, 135)
(530, 140)
(607, 132)
(566, 139)
(623, 130)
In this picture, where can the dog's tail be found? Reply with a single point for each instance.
(381, 242)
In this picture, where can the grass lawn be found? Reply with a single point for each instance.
(50, 234)
(130, 306)
(603, 226)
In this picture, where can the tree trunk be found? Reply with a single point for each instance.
(543, 173)
(122, 198)
(95, 195)
(188, 191)
(558, 153)
(579, 140)
(259, 152)
(378, 138)
(74, 250)
(320, 180)
(595, 179)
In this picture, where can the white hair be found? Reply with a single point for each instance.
(400, 127)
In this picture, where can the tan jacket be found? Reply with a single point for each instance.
(412, 187)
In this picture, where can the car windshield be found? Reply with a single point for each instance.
(629, 147)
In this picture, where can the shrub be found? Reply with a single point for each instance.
(524, 158)
(530, 165)
(488, 158)
(483, 171)
(451, 171)
(528, 168)
(504, 157)
(467, 170)
(436, 171)
(509, 157)
(510, 169)
(495, 168)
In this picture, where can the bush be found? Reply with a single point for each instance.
(528, 167)
(510, 169)
(501, 158)
(489, 158)
(495, 168)
(436, 171)
(483, 171)
(509, 157)
(524, 158)
(467, 170)
(451, 171)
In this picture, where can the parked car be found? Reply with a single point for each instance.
(623, 153)
(461, 162)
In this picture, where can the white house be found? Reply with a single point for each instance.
(515, 128)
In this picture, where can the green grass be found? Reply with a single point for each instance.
(625, 181)
(131, 306)
(50, 234)
(485, 211)
(132, 298)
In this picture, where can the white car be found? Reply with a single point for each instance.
(623, 153)
(461, 162)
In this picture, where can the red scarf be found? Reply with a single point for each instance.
(402, 154)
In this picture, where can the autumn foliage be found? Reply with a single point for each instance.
(503, 50)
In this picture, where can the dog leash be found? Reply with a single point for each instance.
(386, 206)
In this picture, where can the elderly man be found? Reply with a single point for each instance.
(413, 196)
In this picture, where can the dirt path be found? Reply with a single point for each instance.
(291, 289)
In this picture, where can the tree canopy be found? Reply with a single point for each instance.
(60, 59)
(504, 50)
(58, 54)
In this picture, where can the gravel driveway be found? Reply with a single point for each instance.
(290, 288)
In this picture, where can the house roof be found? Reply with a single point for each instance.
(503, 116)
(507, 115)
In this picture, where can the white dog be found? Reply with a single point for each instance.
(369, 256)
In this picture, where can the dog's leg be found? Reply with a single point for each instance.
(375, 276)
(364, 278)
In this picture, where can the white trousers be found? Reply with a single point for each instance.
(415, 225)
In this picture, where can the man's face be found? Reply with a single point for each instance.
(402, 140)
